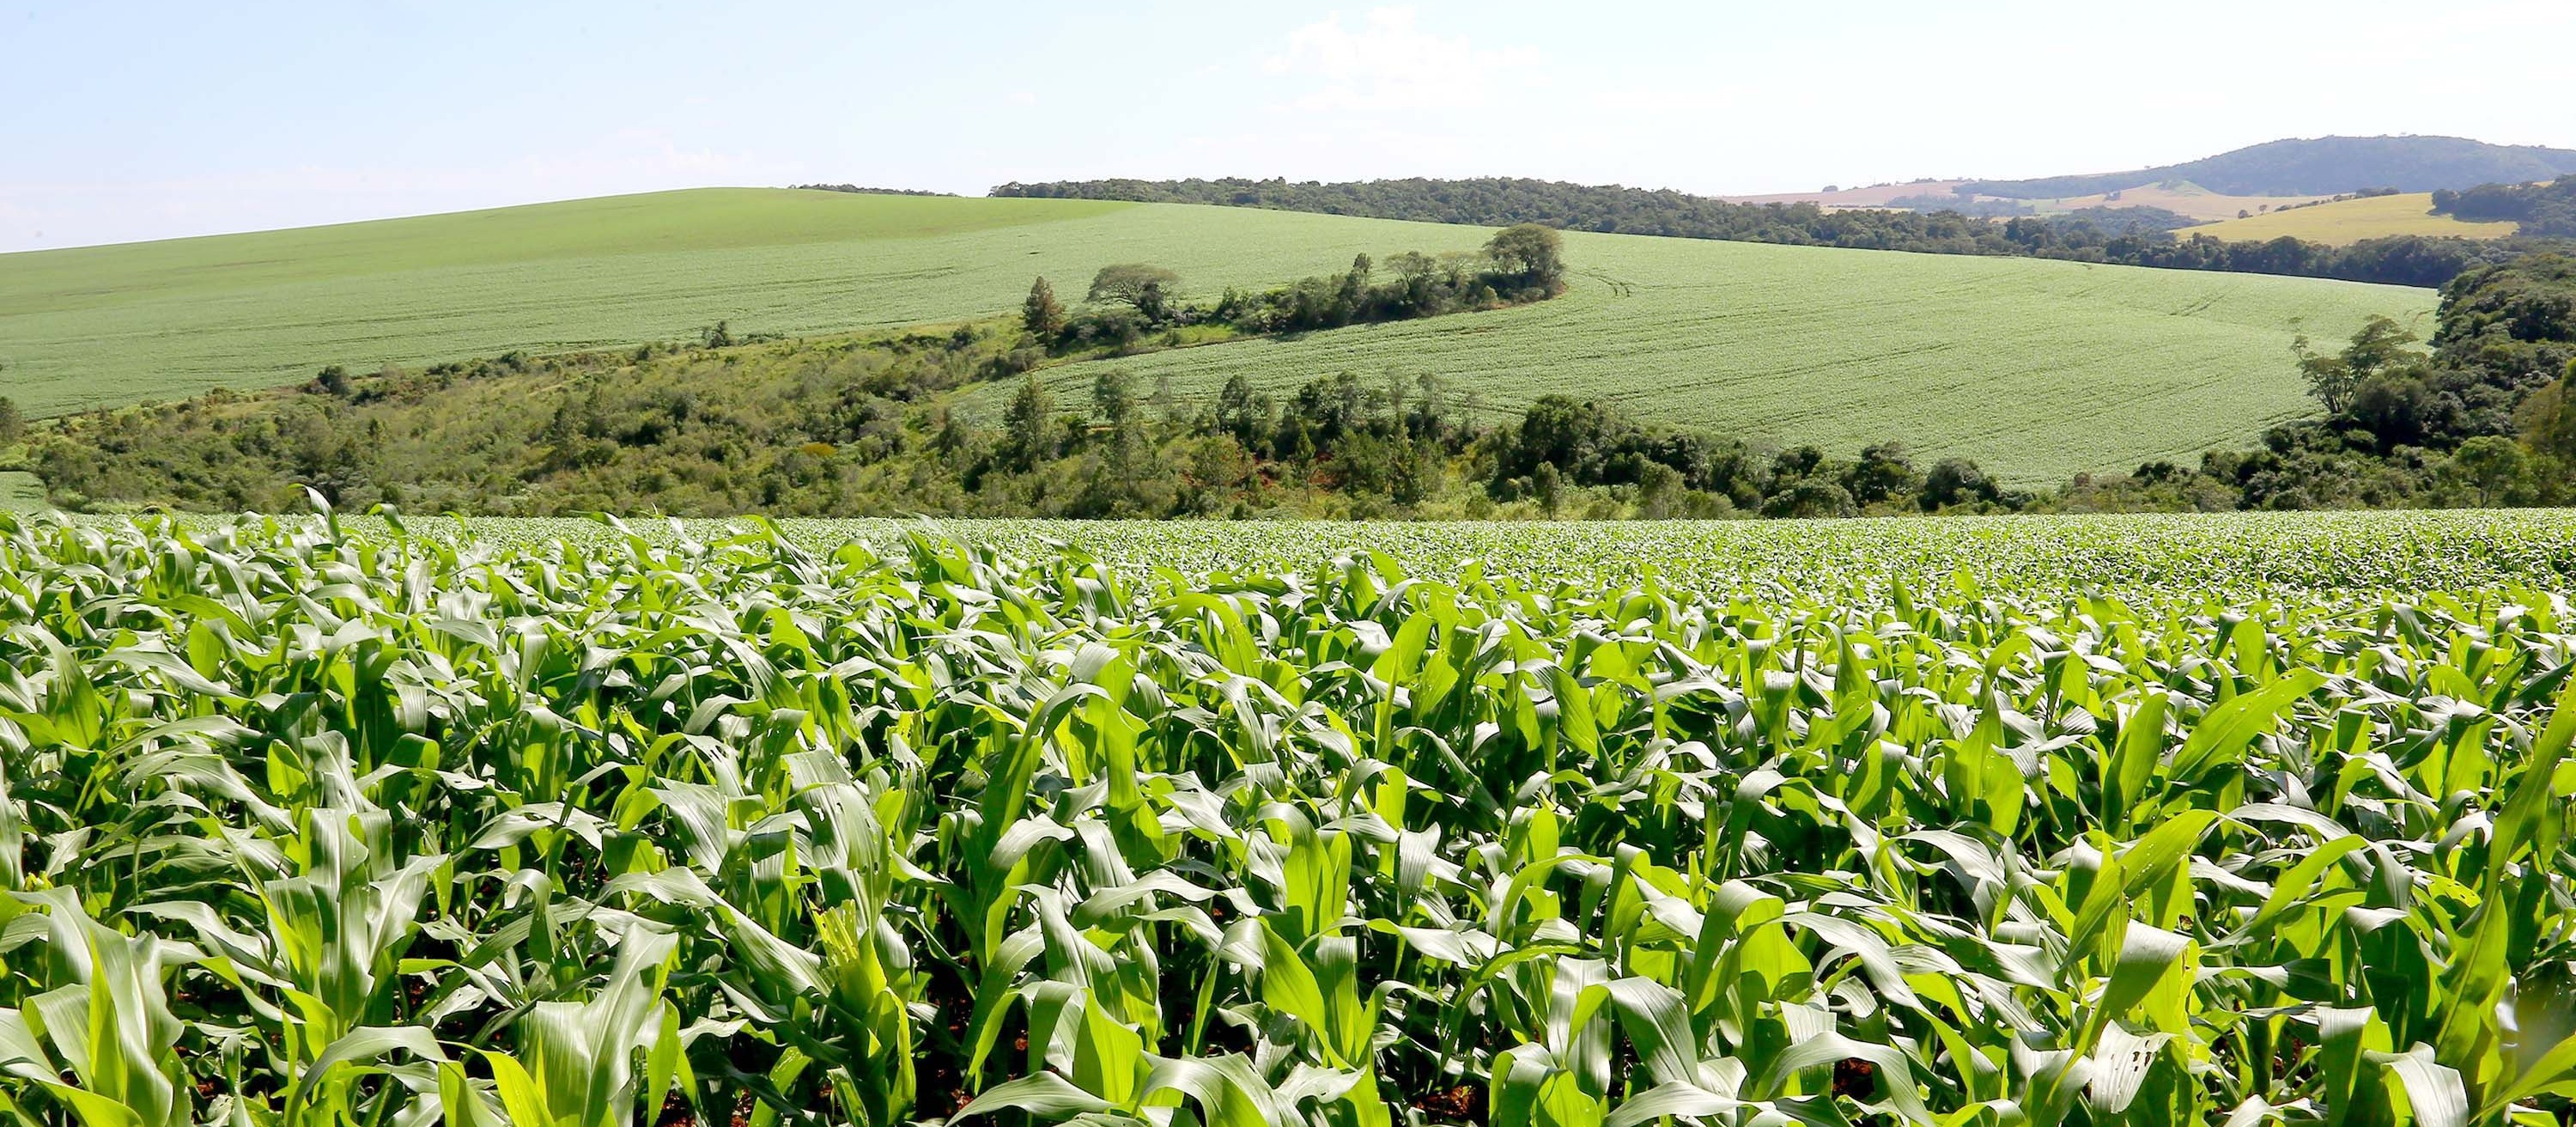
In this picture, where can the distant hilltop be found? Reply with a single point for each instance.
(2322, 166)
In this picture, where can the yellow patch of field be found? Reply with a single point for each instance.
(2345, 222)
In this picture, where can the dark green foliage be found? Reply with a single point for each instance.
(1042, 315)
(1884, 473)
(2542, 209)
(1521, 264)
(1559, 440)
(1530, 254)
(1131, 284)
(1028, 437)
(1955, 482)
(2516, 321)
(13, 425)
(2335, 379)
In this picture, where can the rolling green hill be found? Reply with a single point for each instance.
(2037, 368)
(103, 326)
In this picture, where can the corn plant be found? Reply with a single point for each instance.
(305, 822)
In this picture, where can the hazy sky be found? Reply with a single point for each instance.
(147, 119)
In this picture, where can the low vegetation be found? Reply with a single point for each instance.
(795, 428)
(306, 825)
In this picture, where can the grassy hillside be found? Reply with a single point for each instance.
(20, 492)
(2345, 222)
(109, 325)
(2038, 369)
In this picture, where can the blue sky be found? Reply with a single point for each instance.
(148, 119)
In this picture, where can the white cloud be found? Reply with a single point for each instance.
(1656, 101)
(1390, 62)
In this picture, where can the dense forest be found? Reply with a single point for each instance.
(2481, 414)
(2406, 260)
(2322, 166)
(2546, 210)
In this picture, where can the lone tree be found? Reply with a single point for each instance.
(13, 426)
(1132, 284)
(1043, 314)
(1027, 439)
(1533, 252)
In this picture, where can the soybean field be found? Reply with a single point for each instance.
(2037, 369)
(321, 821)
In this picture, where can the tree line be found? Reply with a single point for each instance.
(1128, 303)
(2409, 260)
(2546, 210)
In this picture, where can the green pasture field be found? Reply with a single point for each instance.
(21, 492)
(2038, 369)
(110, 325)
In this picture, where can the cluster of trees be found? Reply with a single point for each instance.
(1560, 442)
(1129, 302)
(2092, 236)
(2546, 210)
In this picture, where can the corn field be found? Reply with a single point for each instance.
(301, 825)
